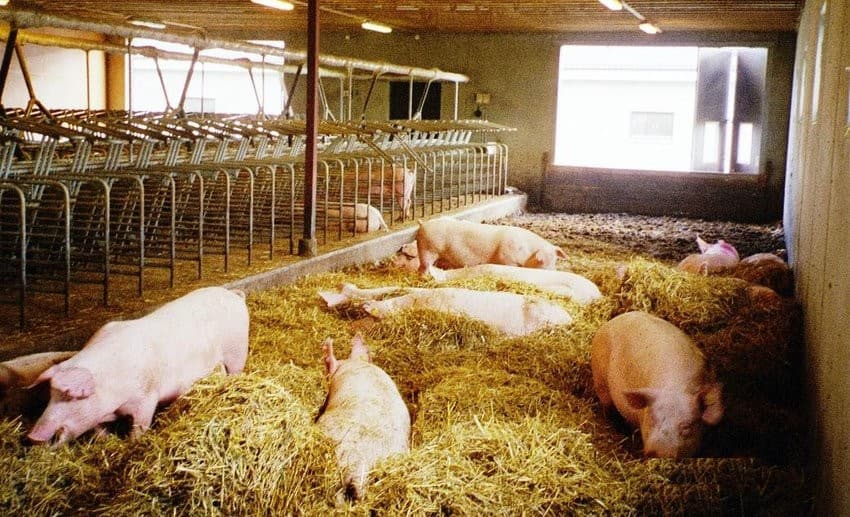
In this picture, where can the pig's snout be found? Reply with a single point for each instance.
(44, 437)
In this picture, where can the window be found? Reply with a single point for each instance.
(660, 108)
(215, 88)
(401, 102)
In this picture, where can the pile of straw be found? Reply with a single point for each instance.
(500, 425)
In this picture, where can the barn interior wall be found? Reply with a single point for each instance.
(817, 211)
(520, 71)
(59, 76)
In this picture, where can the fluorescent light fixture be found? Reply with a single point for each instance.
(150, 24)
(275, 4)
(4, 3)
(377, 27)
(614, 5)
(649, 28)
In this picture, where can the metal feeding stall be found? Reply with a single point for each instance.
(86, 195)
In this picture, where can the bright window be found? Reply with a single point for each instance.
(660, 108)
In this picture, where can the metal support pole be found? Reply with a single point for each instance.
(307, 246)
(188, 80)
(7, 61)
(457, 96)
(288, 107)
(410, 98)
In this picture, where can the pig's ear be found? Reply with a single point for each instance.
(639, 399)
(44, 376)
(333, 299)
(702, 244)
(560, 252)
(75, 383)
(331, 364)
(359, 350)
(710, 404)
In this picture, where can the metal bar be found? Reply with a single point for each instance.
(291, 91)
(189, 74)
(22, 18)
(307, 244)
(11, 40)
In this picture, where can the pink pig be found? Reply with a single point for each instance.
(464, 243)
(363, 414)
(713, 258)
(129, 367)
(656, 377)
(400, 185)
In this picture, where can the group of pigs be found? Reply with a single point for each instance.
(645, 367)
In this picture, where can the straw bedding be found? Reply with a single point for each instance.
(501, 426)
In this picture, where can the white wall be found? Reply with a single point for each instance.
(817, 217)
(59, 79)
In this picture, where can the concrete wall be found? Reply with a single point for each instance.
(521, 73)
(817, 214)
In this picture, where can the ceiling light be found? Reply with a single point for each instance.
(275, 4)
(150, 24)
(400, 7)
(4, 3)
(649, 28)
(377, 27)
(614, 5)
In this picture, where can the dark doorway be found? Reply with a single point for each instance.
(400, 99)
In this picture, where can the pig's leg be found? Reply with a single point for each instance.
(383, 308)
(235, 356)
(142, 415)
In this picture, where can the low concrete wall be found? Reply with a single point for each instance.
(374, 249)
(728, 197)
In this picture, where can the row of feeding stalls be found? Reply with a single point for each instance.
(87, 196)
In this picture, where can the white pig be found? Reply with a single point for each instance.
(363, 414)
(464, 243)
(510, 313)
(359, 217)
(560, 283)
(129, 367)
(713, 258)
(398, 183)
(656, 377)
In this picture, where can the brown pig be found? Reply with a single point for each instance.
(17, 375)
(129, 367)
(363, 414)
(656, 377)
(464, 243)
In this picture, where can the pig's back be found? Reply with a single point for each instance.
(170, 348)
(647, 351)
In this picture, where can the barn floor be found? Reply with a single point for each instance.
(501, 425)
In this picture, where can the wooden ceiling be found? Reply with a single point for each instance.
(243, 19)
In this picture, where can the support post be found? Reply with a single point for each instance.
(307, 246)
(7, 62)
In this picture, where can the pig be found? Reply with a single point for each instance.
(656, 378)
(399, 183)
(464, 243)
(129, 367)
(560, 283)
(713, 258)
(363, 414)
(408, 258)
(16, 377)
(509, 313)
(24, 370)
(766, 269)
(359, 217)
